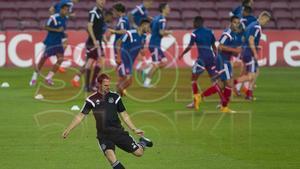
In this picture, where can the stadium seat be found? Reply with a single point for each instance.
(261, 5)
(71, 25)
(82, 15)
(9, 24)
(174, 24)
(21, 5)
(189, 14)
(42, 14)
(153, 13)
(279, 14)
(295, 5)
(175, 15)
(271, 25)
(279, 5)
(228, 5)
(29, 24)
(296, 14)
(81, 24)
(9, 14)
(209, 14)
(188, 24)
(206, 5)
(286, 24)
(213, 24)
(223, 14)
(7, 5)
(224, 23)
(26, 14)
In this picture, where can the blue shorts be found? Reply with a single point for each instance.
(250, 63)
(125, 68)
(224, 68)
(201, 65)
(157, 54)
(53, 50)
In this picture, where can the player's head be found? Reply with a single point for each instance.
(198, 22)
(148, 3)
(145, 25)
(119, 9)
(164, 8)
(101, 3)
(235, 23)
(108, 16)
(104, 82)
(247, 11)
(64, 10)
(247, 2)
(264, 18)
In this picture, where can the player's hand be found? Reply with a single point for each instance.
(65, 134)
(139, 132)
(96, 44)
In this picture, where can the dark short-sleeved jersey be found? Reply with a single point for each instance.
(247, 20)
(205, 39)
(96, 17)
(106, 110)
(238, 11)
(58, 5)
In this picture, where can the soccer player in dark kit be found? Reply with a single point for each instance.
(107, 106)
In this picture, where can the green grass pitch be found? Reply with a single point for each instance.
(263, 134)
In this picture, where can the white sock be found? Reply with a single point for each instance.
(148, 69)
(76, 78)
(34, 76)
(139, 65)
(147, 81)
(246, 85)
(239, 86)
(50, 75)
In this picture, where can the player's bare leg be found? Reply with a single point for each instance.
(123, 84)
(155, 67)
(84, 69)
(65, 45)
(60, 59)
(97, 68)
(111, 157)
(196, 95)
(38, 68)
(227, 94)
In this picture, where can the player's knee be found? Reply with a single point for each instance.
(60, 60)
(139, 152)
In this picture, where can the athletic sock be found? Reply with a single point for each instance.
(147, 81)
(195, 87)
(76, 78)
(143, 144)
(117, 165)
(210, 91)
(97, 69)
(34, 76)
(249, 93)
(50, 75)
(148, 69)
(87, 78)
(227, 94)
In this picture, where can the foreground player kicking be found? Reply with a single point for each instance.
(56, 26)
(107, 106)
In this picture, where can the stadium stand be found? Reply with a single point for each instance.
(31, 14)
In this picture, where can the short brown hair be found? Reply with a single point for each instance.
(101, 77)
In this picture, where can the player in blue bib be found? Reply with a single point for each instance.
(238, 11)
(55, 26)
(250, 52)
(158, 31)
(139, 13)
(130, 46)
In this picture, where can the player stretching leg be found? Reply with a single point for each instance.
(130, 46)
(108, 108)
(55, 26)
(205, 40)
(250, 52)
(158, 31)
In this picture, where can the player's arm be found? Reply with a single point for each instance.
(223, 46)
(113, 31)
(76, 121)
(126, 119)
(131, 19)
(51, 23)
(162, 26)
(189, 47)
(90, 29)
(119, 49)
(252, 46)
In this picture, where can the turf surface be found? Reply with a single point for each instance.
(263, 134)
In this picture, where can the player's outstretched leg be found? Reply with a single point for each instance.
(60, 59)
(37, 71)
(111, 157)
